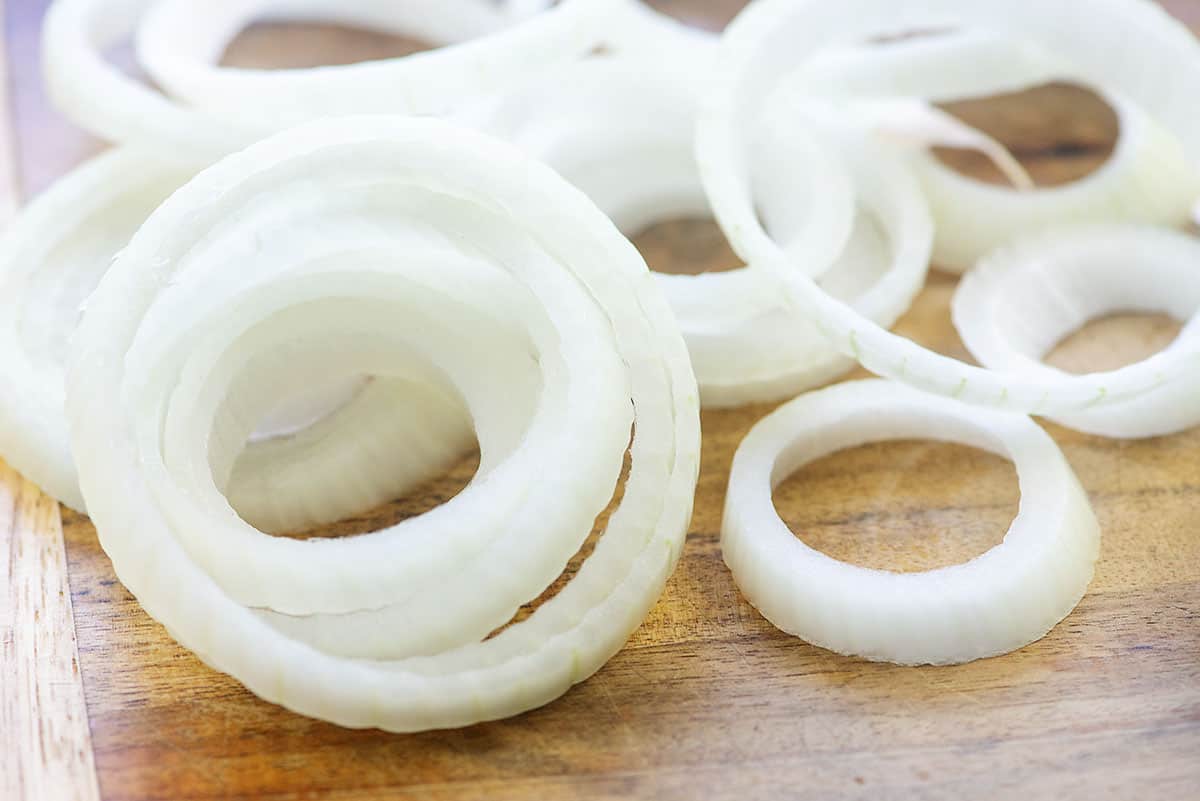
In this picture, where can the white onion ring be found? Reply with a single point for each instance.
(198, 249)
(180, 49)
(95, 95)
(51, 259)
(1147, 178)
(773, 34)
(589, 122)
(1006, 598)
(1020, 301)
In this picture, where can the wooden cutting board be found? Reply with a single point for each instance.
(707, 700)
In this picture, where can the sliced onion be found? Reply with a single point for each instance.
(247, 104)
(50, 261)
(214, 281)
(622, 134)
(1018, 303)
(180, 49)
(772, 36)
(51, 258)
(1006, 598)
(1147, 178)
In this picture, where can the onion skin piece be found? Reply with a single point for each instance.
(1004, 599)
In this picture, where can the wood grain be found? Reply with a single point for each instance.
(45, 743)
(708, 700)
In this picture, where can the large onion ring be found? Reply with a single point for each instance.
(999, 601)
(493, 204)
(771, 35)
(1020, 301)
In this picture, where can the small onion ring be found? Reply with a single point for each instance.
(1006, 598)
(770, 35)
(1020, 301)
(507, 208)
(1146, 179)
(179, 50)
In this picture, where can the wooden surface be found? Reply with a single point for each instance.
(708, 700)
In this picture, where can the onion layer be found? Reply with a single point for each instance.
(50, 261)
(1019, 302)
(623, 134)
(238, 107)
(223, 273)
(1002, 600)
(1147, 178)
(773, 35)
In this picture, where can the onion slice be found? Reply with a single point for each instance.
(242, 106)
(1146, 179)
(997, 602)
(589, 122)
(1023, 299)
(482, 52)
(51, 258)
(50, 261)
(772, 35)
(218, 252)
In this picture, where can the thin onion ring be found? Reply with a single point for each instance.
(744, 346)
(771, 31)
(1020, 301)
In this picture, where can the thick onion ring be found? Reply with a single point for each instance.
(773, 34)
(1006, 598)
(527, 664)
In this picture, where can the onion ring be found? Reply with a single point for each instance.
(1146, 179)
(997, 602)
(770, 35)
(493, 207)
(180, 49)
(99, 98)
(1013, 308)
(588, 122)
(51, 259)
